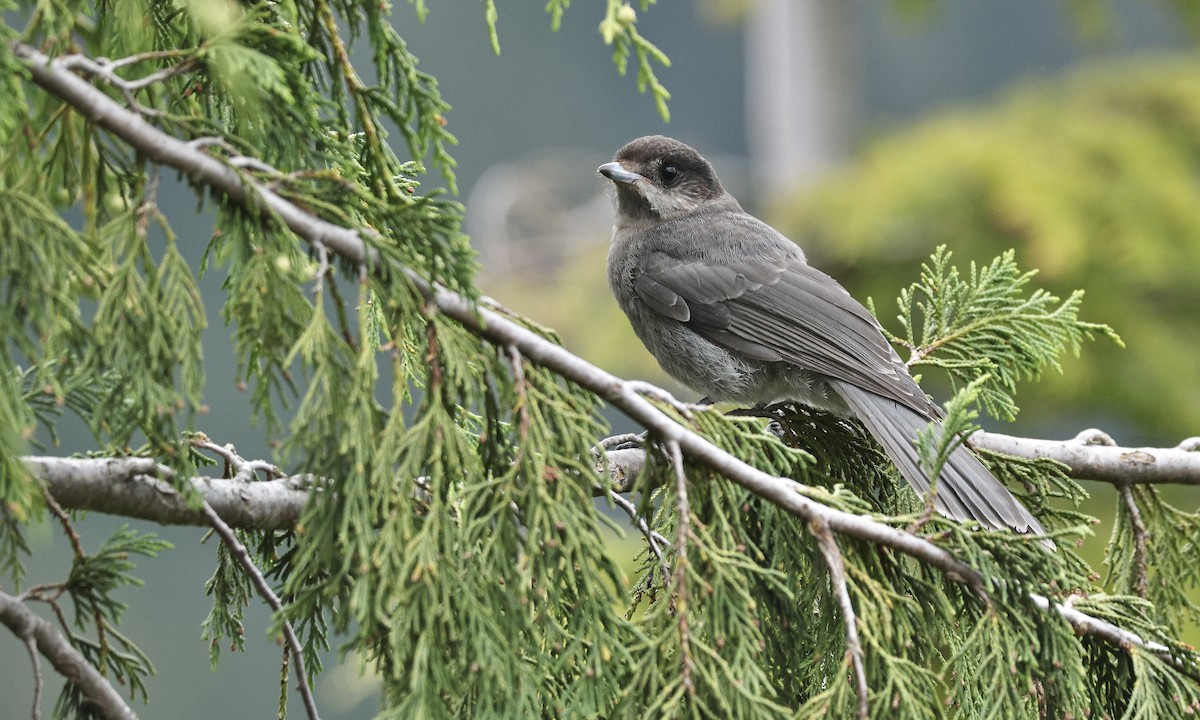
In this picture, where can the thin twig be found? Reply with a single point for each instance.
(31, 647)
(160, 75)
(322, 266)
(243, 470)
(213, 141)
(682, 535)
(67, 526)
(837, 578)
(106, 69)
(45, 592)
(655, 540)
(149, 200)
(239, 551)
(102, 68)
(244, 162)
(77, 546)
(518, 370)
(145, 57)
(1140, 534)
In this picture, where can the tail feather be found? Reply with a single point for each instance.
(966, 490)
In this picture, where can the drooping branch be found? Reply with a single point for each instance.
(36, 660)
(242, 469)
(654, 541)
(242, 555)
(492, 325)
(1138, 527)
(837, 579)
(680, 598)
(159, 147)
(28, 626)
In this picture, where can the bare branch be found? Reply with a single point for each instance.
(67, 526)
(1090, 459)
(145, 57)
(239, 551)
(654, 392)
(1084, 458)
(837, 578)
(322, 266)
(494, 327)
(243, 470)
(105, 69)
(131, 487)
(30, 628)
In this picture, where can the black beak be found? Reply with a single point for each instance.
(616, 172)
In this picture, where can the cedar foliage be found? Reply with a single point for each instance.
(455, 544)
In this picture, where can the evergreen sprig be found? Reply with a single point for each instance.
(985, 324)
(1159, 569)
(91, 584)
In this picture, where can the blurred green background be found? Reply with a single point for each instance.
(868, 132)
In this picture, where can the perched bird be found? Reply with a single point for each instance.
(731, 308)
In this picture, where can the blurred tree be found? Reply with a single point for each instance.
(437, 514)
(1092, 178)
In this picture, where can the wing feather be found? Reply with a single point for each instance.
(784, 311)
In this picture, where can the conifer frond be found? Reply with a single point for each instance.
(1161, 565)
(988, 324)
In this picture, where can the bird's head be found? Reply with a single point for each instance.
(658, 178)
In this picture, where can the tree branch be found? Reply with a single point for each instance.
(131, 487)
(1084, 458)
(29, 627)
(484, 320)
(1089, 458)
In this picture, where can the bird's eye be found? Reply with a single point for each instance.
(670, 174)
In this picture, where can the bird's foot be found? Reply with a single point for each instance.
(625, 441)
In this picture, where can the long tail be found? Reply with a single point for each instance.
(966, 489)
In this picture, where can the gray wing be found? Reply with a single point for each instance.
(783, 311)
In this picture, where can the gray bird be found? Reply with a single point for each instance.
(731, 308)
